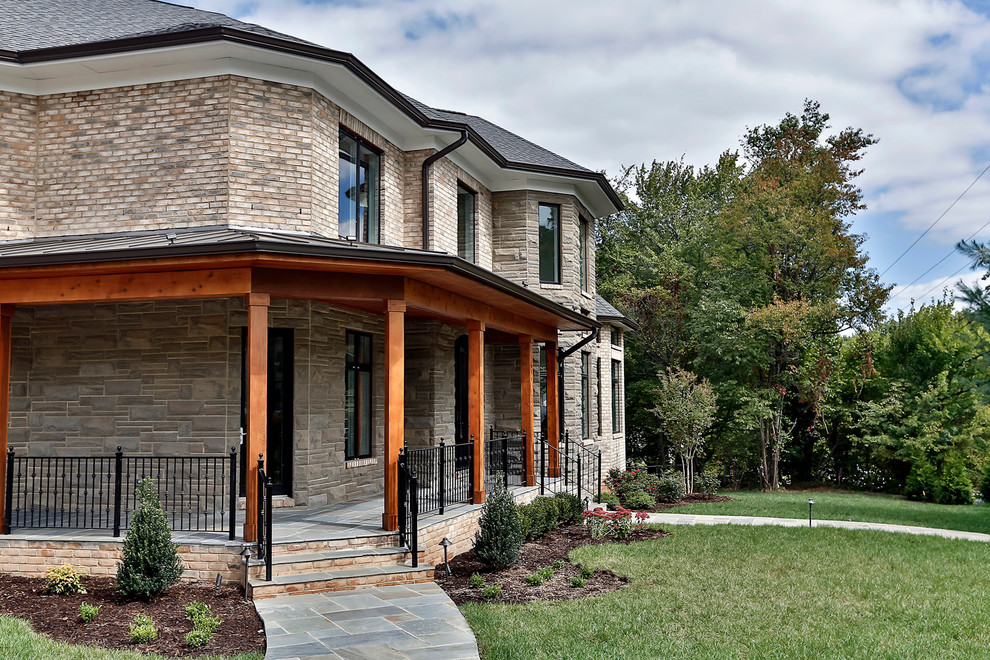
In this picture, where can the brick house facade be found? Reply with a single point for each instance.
(172, 239)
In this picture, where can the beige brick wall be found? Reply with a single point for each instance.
(18, 163)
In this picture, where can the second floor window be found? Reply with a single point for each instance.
(583, 255)
(550, 243)
(616, 396)
(465, 223)
(360, 176)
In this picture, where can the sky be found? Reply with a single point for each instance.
(612, 84)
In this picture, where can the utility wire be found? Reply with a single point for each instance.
(937, 220)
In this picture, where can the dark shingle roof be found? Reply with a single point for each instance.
(27, 25)
(605, 312)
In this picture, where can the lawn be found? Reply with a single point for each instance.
(861, 507)
(19, 642)
(761, 592)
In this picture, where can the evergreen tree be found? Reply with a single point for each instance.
(150, 562)
(500, 536)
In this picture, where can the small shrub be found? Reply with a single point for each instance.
(609, 500)
(476, 581)
(491, 592)
(550, 516)
(197, 637)
(143, 629)
(150, 562)
(707, 483)
(578, 582)
(920, 482)
(65, 579)
(531, 521)
(88, 612)
(499, 537)
(670, 487)
(587, 572)
(619, 524)
(953, 485)
(640, 500)
(624, 483)
(539, 577)
(570, 509)
(196, 609)
(559, 564)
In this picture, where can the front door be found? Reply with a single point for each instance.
(278, 460)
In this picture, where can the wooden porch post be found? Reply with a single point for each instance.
(553, 411)
(476, 404)
(526, 407)
(257, 404)
(395, 402)
(6, 315)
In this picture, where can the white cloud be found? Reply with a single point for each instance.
(607, 84)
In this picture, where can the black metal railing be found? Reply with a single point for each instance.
(408, 509)
(568, 468)
(264, 517)
(504, 453)
(198, 493)
(444, 474)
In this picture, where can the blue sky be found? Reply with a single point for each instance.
(612, 84)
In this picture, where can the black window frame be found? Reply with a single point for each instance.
(559, 239)
(615, 336)
(354, 416)
(361, 145)
(585, 394)
(616, 396)
(472, 254)
(598, 392)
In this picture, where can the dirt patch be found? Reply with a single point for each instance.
(58, 616)
(535, 555)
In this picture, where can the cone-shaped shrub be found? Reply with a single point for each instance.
(150, 562)
(500, 536)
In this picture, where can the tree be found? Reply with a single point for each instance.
(150, 562)
(500, 533)
(685, 407)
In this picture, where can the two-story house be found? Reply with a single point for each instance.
(213, 234)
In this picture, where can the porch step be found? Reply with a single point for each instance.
(339, 580)
(300, 563)
(383, 540)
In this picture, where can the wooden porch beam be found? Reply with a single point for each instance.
(553, 411)
(214, 283)
(476, 404)
(395, 402)
(6, 316)
(526, 407)
(327, 287)
(257, 398)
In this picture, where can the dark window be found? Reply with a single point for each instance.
(598, 392)
(360, 173)
(543, 391)
(465, 223)
(550, 243)
(357, 396)
(616, 337)
(583, 256)
(616, 396)
(585, 395)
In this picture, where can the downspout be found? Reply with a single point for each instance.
(560, 375)
(426, 183)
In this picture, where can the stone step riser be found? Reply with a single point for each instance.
(389, 541)
(340, 584)
(322, 565)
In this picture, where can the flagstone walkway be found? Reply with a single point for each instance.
(377, 623)
(692, 519)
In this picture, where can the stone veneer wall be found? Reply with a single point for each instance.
(164, 378)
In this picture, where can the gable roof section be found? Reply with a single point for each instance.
(606, 313)
(37, 31)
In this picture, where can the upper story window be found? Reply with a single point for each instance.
(583, 254)
(466, 203)
(616, 337)
(550, 243)
(360, 177)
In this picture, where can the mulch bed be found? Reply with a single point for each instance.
(58, 616)
(535, 555)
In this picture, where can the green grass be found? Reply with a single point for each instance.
(861, 507)
(762, 592)
(19, 642)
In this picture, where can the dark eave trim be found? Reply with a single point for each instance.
(262, 246)
(347, 60)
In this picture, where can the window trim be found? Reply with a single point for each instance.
(361, 143)
(585, 394)
(474, 221)
(361, 367)
(560, 242)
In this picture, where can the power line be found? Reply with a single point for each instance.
(964, 267)
(939, 218)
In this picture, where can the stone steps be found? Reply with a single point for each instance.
(300, 563)
(339, 580)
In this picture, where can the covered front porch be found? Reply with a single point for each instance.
(260, 280)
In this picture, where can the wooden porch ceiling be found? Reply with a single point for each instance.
(429, 291)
